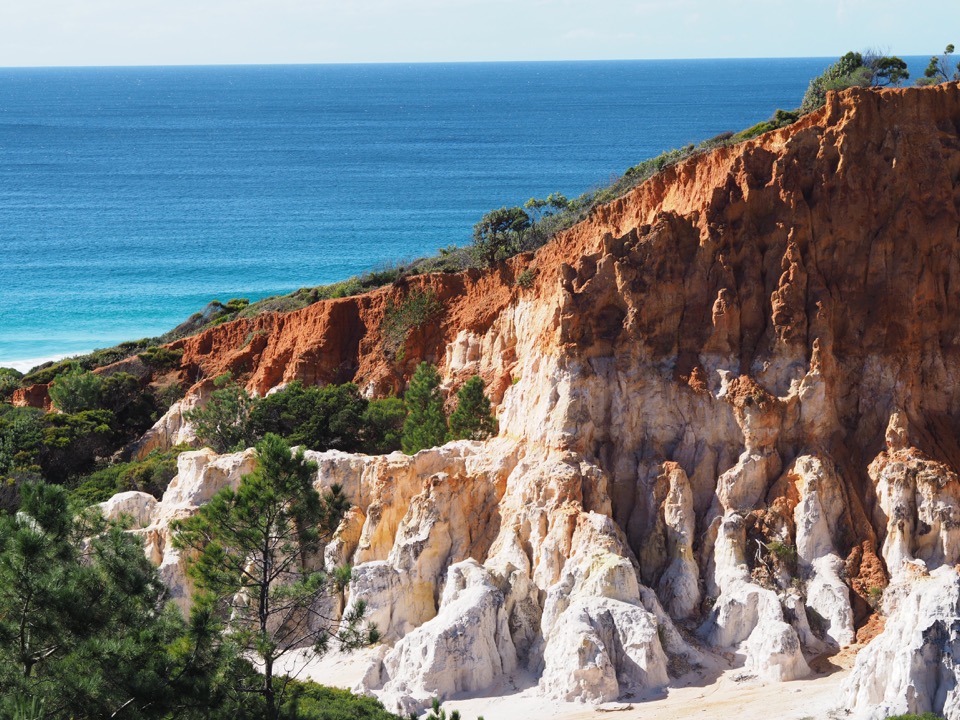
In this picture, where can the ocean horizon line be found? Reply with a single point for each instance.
(374, 63)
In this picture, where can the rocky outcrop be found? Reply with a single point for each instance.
(728, 412)
(37, 396)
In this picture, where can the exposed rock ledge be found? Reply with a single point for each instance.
(729, 410)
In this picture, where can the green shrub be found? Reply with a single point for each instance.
(310, 701)
(150, 475)
(781, 118)
(784, 553)
(318, 418)
(76, 391)
(851, 70)
(223, 423)
(48, 372)
(71, 443)
(525, 278)
(500, 234)
(9, 381)
(938, 70)
(413, 312)
(21, 435)
(161, 358)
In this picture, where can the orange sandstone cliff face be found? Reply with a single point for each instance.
(728, 404)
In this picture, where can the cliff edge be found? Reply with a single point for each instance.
(729, 406)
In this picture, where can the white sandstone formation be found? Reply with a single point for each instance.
(137, 507)
(911, 667)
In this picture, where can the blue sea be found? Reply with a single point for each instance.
(131, 197)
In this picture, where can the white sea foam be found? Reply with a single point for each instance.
(30, 363)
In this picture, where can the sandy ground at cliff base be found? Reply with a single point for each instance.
(702, 695)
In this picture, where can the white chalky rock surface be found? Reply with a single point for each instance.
(139, 507)
(600, 648)
(466, 647)
(912, 666)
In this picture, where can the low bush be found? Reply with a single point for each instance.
(150, 475)
(310, 701)
(161, 358)
(525, 278)
(383, 425)
(413, 312)
(426, 423)
(76, 390)
(318, 418)
(223, 423)
(9, 381)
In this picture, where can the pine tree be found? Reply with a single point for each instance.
(472, 420)
(85, 631)
(253, 554)
(426, 423)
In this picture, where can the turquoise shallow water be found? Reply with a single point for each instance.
(131, 197)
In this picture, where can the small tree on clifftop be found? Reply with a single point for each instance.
(500, 234)
(939, 70)
(854, 69)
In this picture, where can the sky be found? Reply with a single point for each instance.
(199, 32)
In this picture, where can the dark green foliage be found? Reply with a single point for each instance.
(854, 69)
(9, 381)
(217, 313)
(253, 551)
(939, 70)
(150, 475)
(925, 716)
(332, 417)
(500, 234)
(161, 358)
(889, 71)
(84, 630)
(413, 312)
(309, 701)
(72, 443)
(77, 390)
(840, 74)
(131, 410)
(134, 410)
(105, 413)
(21, 435)
(472, 420)
(223, 423)
(540, 209)
(426, 424)
(383, 425)
(319, 418)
